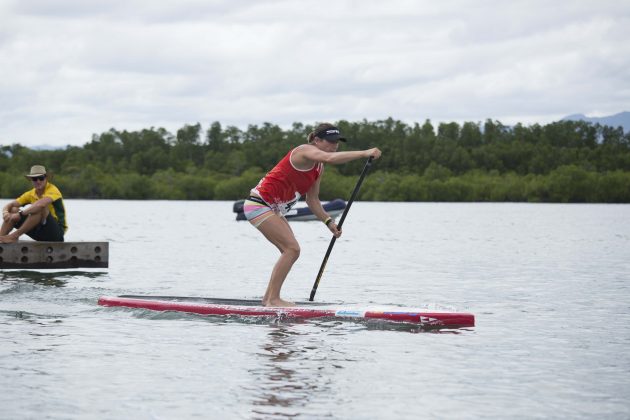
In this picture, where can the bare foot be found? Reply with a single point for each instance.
(279, 303)
(8, 239)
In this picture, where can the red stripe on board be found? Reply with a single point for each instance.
(444, 319)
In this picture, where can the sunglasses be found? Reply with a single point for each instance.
(38, 178)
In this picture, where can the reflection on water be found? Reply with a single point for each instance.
(296, 365)
(284, 388)
(47, 278)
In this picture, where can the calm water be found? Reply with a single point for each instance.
(549, 285)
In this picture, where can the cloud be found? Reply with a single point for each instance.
(72, 68)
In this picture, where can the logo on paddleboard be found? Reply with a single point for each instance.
(428, 320)
(350, 313)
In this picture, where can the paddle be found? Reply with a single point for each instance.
(343, 217)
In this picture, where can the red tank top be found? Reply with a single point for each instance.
(283, 186)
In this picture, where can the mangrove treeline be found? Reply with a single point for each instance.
(567, 161)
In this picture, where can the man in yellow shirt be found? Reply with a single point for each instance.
(44, 219)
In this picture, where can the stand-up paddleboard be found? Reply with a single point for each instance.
(210, 306)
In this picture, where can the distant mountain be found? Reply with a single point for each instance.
(622, 119)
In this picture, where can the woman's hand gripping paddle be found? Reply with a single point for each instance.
(343, 217)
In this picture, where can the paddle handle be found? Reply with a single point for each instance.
(343, 217)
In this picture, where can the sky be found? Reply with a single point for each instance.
(70, 69)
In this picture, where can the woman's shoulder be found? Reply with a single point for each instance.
(301, 157)
(302, 150)
(305, 149)
(305, 146)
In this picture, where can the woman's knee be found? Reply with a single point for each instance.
(293, 251)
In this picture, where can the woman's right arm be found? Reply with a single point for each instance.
(336, 158)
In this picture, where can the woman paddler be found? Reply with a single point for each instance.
(298, 173)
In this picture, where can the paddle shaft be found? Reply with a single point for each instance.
(343, 217)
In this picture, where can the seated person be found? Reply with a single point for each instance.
(43, 220)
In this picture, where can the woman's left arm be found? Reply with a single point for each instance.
(313, 203)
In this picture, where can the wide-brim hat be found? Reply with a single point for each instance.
(330, 133)
(36, 170)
